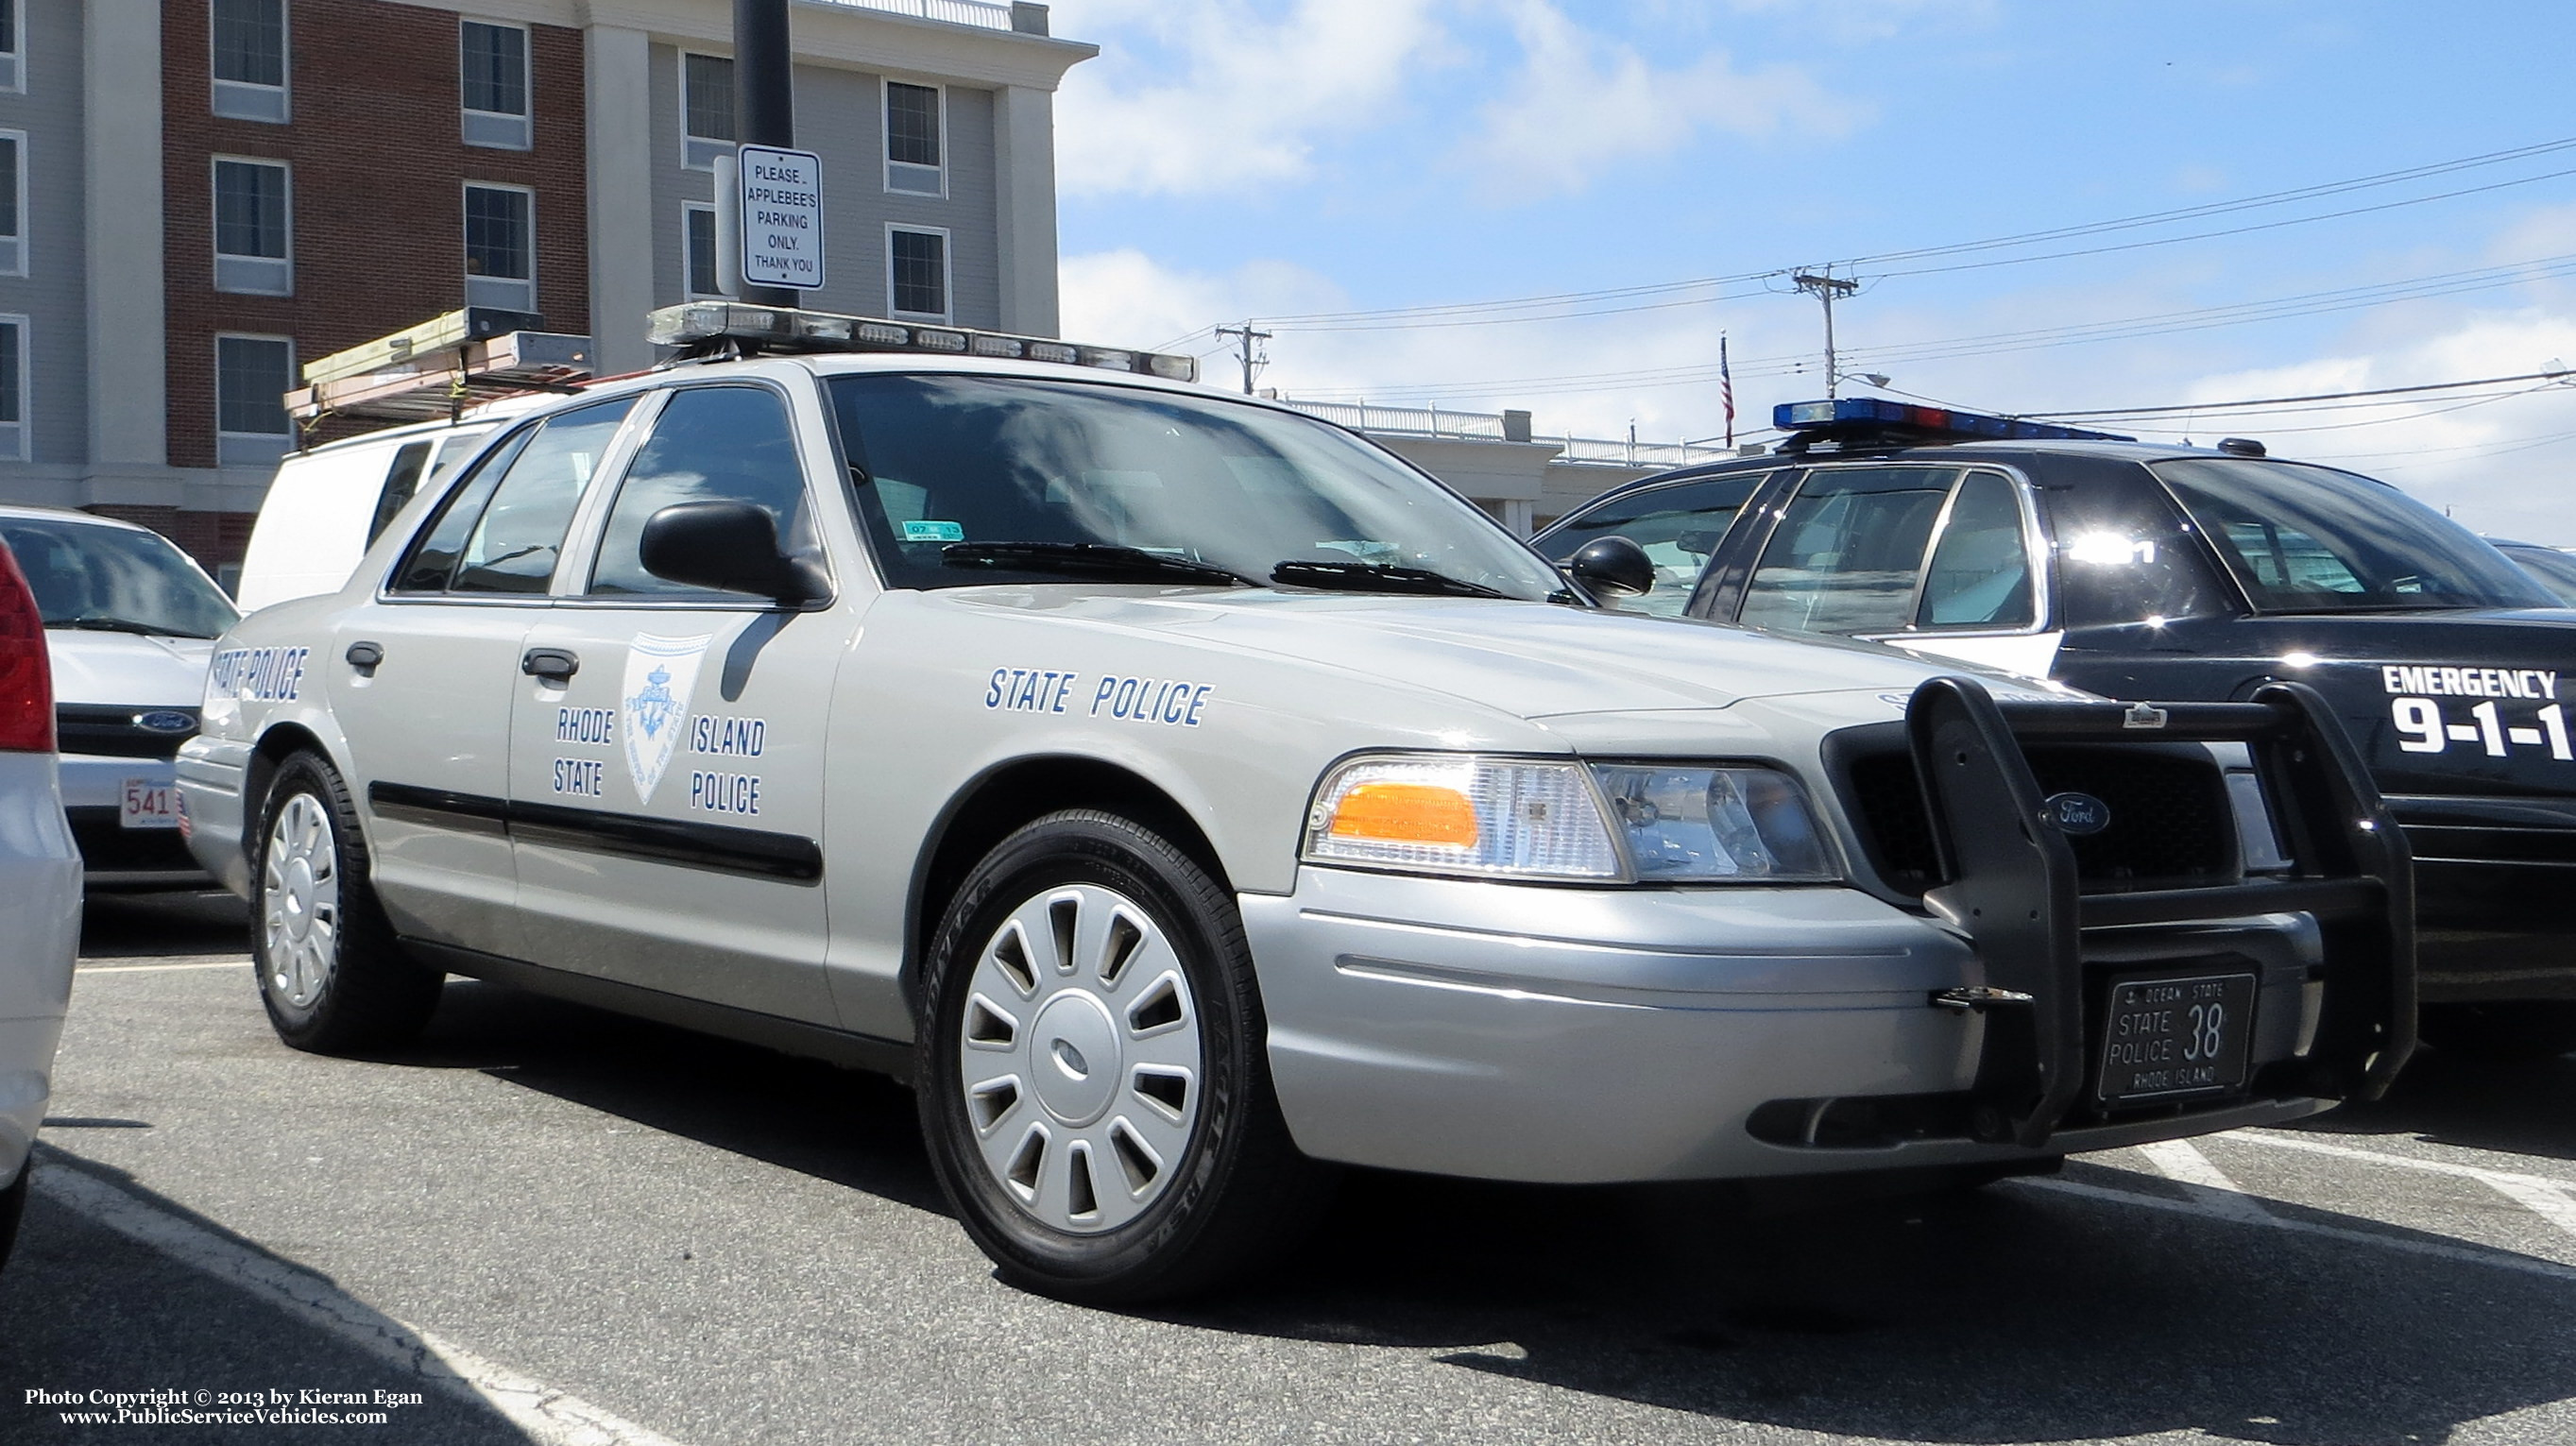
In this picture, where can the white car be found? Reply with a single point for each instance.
(1187, 795)
(40, 892)
(130, 622)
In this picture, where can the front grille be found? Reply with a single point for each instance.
(108, 847)
(2171, 824)
(116, 732)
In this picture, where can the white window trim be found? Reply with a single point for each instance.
(526, 120)
(286, 67)
(687, 275)
(285, 438)
(214, 203)
(26, 423)
(686, 139)
(885, 138)
(19, 139)
(13, 60)
(947, 271)
(528, 191)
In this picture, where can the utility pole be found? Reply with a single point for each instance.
(1825, 287)
(1248, 339)
(764, 100)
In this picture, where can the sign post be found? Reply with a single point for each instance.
(781, 201)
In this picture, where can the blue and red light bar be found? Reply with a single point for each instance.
(1868, 414)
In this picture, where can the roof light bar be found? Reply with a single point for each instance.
(1861, 415)
(700, 324)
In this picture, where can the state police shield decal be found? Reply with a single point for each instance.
(660, 675)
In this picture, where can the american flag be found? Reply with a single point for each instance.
(1726, 388)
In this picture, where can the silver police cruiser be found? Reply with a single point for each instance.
(1187, 795)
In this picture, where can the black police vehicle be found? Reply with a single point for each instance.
(2143, 570)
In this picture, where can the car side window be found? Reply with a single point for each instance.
(402, 479)
(1679, 526)
(1979, 576)
(515, 542)
(1847, 551)
(709, 444)
(432, 559)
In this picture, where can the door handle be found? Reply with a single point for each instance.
(552, 664)
(364, 657)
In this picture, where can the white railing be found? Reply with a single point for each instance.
(982, 14)
(1488, 427)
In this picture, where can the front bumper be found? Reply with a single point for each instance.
(1524, 1032)
(117, 857)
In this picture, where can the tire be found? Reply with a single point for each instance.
(2523, 1030)
(13, 1204)
(331, 973)
(1101, 1115)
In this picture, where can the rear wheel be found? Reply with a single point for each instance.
(331, 973)
(1094, 1084)
(2530, 1029)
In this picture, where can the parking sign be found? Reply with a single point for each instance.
(782, 217)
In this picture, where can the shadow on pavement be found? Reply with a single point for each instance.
(137, 926)
(2526, 1107)
(83, 1308)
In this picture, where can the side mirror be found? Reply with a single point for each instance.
(1612, 565)
(726, 547)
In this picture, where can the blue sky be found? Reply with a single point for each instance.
(1223, 159)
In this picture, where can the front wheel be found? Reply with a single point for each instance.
(332, 975)
(1094, 1084)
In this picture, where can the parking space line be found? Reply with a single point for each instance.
(2184, 1164)
(546, 1414)
(2438, 1250)
(157, 968)
(2549, 1199)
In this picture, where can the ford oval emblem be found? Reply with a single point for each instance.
(2080, 814)
(166, 720)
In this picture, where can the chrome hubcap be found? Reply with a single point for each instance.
(1079, 1059)
(300, 901)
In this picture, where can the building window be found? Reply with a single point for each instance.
(13, 388)
(250, 58)
(917, 271)
(493, 70)
(913, 116)
(706, 109)
(11, 76)
(698, 244)
(252, 228)
(501, 247)
(252, 374)
(13, 201)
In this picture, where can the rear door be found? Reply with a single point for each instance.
(667, 788)
(421, 681)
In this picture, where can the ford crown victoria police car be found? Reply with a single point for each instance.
(1186, 794)
(2143, 570)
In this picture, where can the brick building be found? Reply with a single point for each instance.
(197, 196)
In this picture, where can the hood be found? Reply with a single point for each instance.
(125, 669)
(1529, 660)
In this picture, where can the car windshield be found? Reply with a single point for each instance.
(2307, 539)
(968, 479)
(115, 579)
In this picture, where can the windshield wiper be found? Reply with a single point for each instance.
(122, 625)
(1100, 558)
(1375, 577)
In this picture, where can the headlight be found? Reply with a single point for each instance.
(1514, 818)
(1683, 823)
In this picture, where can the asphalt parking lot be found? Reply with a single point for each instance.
(542, 1223)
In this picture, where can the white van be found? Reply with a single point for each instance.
(326, 505)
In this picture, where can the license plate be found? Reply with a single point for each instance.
(2176, 1036)
(149, 804)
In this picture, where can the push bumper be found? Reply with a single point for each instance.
(211, 773)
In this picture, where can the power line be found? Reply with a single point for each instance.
(2558, 374)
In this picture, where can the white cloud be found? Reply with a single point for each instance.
(1238, 95)
(1582, 103)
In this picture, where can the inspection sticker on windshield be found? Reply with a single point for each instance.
(2424, 726)
(934, 532)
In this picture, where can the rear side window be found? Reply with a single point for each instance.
(504, 526)
(1679, 526)
(709, 444)
(1979, 576)
(402, 480)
